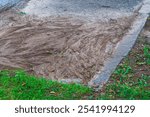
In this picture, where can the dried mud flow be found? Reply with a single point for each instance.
(58, 47)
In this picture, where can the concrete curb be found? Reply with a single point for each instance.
(122, 48)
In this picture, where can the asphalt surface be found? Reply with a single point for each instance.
(90, 8)
(6, 2)
(79, 5)
(82, 4)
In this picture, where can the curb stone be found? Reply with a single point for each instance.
(122, 49)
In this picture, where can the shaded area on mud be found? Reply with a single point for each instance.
(59, 47)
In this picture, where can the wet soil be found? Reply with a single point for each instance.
(58, 47)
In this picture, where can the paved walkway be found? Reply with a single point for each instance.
(86, 3)
(89, 8)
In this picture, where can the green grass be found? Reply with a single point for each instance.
(17, 85)
(147, 54)
(129, 81)
(123, 87)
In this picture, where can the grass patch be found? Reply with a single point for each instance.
(147, 54)
(18, 85)
(131, 79)
(127, 88)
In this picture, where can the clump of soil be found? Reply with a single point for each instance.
(58, 47)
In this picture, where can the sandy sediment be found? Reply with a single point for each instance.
(58, 47)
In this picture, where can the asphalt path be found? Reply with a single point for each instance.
(91, 9)
(81, 4)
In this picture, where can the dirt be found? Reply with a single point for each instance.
(136, 57)
(58, 47)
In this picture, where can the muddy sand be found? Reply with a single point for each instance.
(58, 48)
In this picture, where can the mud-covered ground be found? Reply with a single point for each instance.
(58, 47)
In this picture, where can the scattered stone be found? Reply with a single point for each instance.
(72, 80)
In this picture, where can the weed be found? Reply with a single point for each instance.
(147, 54)
(126, 84)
